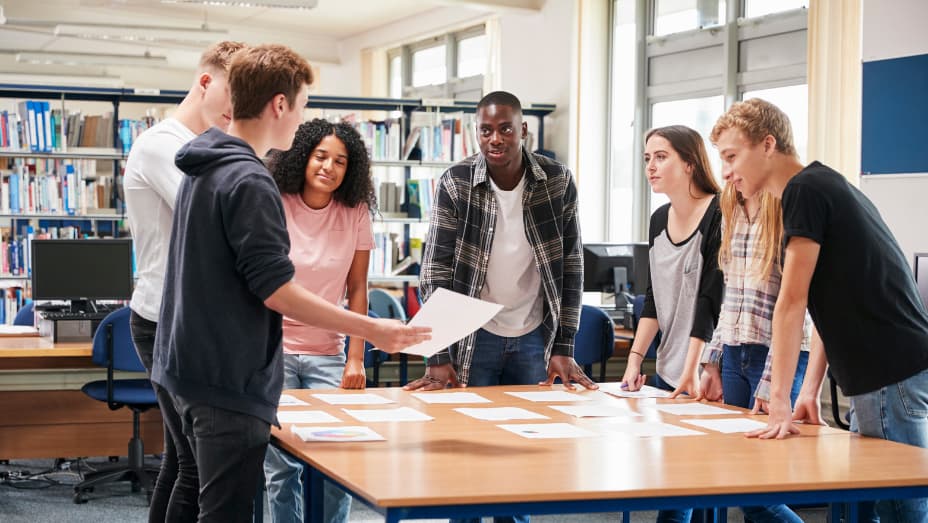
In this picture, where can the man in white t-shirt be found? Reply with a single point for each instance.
(151, 182)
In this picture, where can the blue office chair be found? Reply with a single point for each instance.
(113, 349)
(595, 340)
(26, 314)
(372, 358)
(387, 305)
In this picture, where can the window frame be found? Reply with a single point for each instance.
(452, 85)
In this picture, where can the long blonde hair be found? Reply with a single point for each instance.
(769, 240)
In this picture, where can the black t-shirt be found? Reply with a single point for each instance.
(862, 297)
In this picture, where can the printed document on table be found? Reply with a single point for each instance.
(727, 425)
(691, 409)
(364, 398)
(647, 391)
(547, 430)
(398, 414)
(452, 316)
(595, 411)
(650, 429)
(500, 413)
(550, 395)
(305, 416)
(287, 400)
(450, 397)
(336, 434)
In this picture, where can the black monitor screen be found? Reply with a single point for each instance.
(82, 269)
(921, 275)
(599, 260)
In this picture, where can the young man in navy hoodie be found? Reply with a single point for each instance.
(229, 279)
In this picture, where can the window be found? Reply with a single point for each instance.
(446, 66)
(428, 66)
(686, 62)
(472, 56)
(396, 76)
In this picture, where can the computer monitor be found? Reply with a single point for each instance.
(607, 265)
(921, 275)
(82, 271)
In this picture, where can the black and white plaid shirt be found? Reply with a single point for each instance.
(460, 237)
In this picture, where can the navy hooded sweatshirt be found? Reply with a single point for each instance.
(216, 342)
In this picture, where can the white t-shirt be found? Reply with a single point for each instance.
(150, 184)
(512, 279)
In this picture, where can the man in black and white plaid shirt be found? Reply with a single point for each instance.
(504, 229)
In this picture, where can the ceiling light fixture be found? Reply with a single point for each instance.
(141, 34)
(64, 58)
(274, 4)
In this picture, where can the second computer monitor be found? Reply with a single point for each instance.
(81, 270)
(600, 260)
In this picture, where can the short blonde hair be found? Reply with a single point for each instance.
(219, 55)
(757, 118)
(257, 74)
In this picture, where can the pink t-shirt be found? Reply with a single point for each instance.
(322, 246)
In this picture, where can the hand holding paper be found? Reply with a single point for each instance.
(451, 316)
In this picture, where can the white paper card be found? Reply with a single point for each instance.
(651, 430)
(552, 395)
(398, 414)
(500, 413)
(305, 416)
(353, 399)
(647, 391)
(691, 409)
(595, 411)
(547, 430)
(336, 434)
(452, 316)
(727, 425)
(450, 397)
(287, 400)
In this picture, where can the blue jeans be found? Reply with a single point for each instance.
(897, 412)
(499, 360)
(742, 370)
(228, 448)
(283, 474)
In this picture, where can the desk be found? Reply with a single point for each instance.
(461, 467)
(47, 423)
(623, 341)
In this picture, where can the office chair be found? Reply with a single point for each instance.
(26, 314)
(113, 349)
(372, 358)
(595, 340)
(386, 305)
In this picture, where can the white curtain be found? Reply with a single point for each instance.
(834, 74)
(491, 78)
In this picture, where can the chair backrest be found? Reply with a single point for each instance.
(385, 304)
(595, 339)
(114, 330)
(637, 307)
(26, 314)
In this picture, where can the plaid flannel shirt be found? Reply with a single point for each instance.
(460, 236)
(747, 309)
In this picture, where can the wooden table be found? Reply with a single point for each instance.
(457, 466)
(44, 423)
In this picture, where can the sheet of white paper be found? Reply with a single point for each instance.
(336, 434)
(398, 414)
(363, 398)
(727, 425)
(595, 411)
(19, 330)
(287, 400)
(650, 429)
(647, 391)
(547, 430)
(500, 413)
(450, 397)
(305, 416)
(691, 409)
(451, 316)
(552, 395)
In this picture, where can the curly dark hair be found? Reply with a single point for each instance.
(289, 167)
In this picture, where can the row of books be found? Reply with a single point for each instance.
(66, 191)
(11, 300)
(35, 127)
(419, 194)
(389, 197)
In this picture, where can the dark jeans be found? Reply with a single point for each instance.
(174, 497)
(229, 449)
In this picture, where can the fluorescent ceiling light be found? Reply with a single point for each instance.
(143, 34)
(278, 4)
(62, 58)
